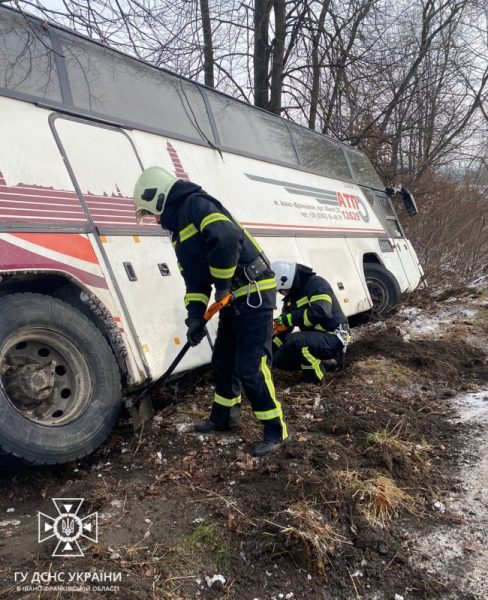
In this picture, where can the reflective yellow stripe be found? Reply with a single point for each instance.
(222, 273)
(188, 232)
(306, 320)
(179, 266)
(226, 401)
(212, 218)
(289, 319)
(265, 415)
(173, 243)
(252, 240)
(318, 297)
(264, 284)
(249, 236)
(314, 362)
(302, 301)
(320, 328)
(194, 297)
(277, 342)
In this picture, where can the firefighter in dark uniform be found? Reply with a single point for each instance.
(212, 248)
(311, 305)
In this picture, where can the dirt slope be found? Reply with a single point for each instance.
(381, 479)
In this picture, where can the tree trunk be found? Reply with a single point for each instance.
(261, 52)
(316, 66)
(208, 53)
(278, 56)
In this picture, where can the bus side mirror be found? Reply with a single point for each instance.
(407, 197)
(409, 202)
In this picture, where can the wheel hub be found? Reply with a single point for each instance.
(45, 376)
(34, 382)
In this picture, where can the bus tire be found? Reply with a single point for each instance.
(60, 392)
(383, 289)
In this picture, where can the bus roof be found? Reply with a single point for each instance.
(64, 70)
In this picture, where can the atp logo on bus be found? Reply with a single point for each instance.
(352, 207)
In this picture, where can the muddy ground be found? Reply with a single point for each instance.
(380, 494)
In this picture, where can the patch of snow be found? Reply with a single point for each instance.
(473, 406)
(184, 427)
(480, 282)
(453, 546)
(417, 323)
(12, 523)
(215, 579)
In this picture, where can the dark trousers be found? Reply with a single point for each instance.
(242, 356)
(303, 349)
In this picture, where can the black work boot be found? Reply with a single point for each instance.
(209, 426)
(331, 365)
(267, 447)
(310, 376)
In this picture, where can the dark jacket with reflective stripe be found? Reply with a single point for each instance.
(211, 248)
(311, 304)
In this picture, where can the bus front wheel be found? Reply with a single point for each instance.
(383, 289)
(59, 381)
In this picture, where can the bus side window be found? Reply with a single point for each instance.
(244, 129)
(106, 83)
(362, 170)
(27, 63)
(320, 154)
(392, 222)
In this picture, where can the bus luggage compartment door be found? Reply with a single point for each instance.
(138, 260)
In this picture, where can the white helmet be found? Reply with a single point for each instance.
(284, 274)
(151, 191)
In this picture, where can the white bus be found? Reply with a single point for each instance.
(91, 303)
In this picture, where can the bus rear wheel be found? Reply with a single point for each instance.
(59, 381)
(383, 289)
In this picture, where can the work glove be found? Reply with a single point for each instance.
(284, 320)
(219, 294)
(196, 330)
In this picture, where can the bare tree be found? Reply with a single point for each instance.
(208, 54)
(405, 82)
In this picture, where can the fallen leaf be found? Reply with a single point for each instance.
(232, 521)
(273, 468)
(455, 518)
(153, 490)
(246, 463)
(471, 546)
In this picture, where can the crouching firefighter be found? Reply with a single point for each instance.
(311, 305)
(212, 248)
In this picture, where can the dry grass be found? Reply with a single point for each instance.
(383, 373)
(392, 445)
(309, 536)
(379, 500)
